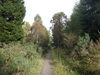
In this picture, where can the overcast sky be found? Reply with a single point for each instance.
(46, 9)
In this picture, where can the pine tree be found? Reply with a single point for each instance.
(12, 13)
(90, 17)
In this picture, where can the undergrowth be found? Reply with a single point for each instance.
(17, 59)
(61, 62)
(82, 59)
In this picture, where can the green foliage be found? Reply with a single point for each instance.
(63, 63)
(17, 59)
(83, 43)
(90, 17)
(11, 17)
(28, 37)
(87, 53)
(37, 18)
(73, 24)
(26, 28)
(58, 24)
(40, 34)
(85, 19)
(70, 40)
(83, 58)
(68, 64)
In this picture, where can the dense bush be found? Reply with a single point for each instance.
(82, 45)
(17, 59)
(83, 60)
(70, 40)
(87, 53)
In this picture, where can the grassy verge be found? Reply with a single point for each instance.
(17, 59)
(66, 65)
(61, 63)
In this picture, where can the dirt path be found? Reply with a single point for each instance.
(47, 67)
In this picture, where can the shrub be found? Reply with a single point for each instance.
(70, 40)
(82, 45)
(87, 53)
(17, 59)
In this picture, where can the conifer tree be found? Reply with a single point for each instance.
(89, 11)
(12, 13)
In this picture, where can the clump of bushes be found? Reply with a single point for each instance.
(82, 58)
(17, 59)
(87, 53)
(70, 41)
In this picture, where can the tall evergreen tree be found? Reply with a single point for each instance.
(90, 17)
(73, 24)
(12, 13)
(58, 23)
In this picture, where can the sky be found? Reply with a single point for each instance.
(46, 9)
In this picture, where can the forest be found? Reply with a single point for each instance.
(74, 42)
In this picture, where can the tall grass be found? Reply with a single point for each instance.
(17, 59)
(61, 61)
